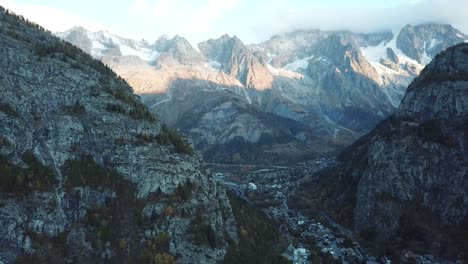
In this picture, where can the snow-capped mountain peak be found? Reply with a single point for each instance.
(104, 43)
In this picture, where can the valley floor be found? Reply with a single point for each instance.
(312, 238)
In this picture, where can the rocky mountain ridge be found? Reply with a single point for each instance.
(238, 62)
(88, 174)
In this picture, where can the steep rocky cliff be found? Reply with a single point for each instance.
(406, 181)
(87, 174)
(177, 48)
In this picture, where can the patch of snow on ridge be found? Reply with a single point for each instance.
(103, 40)
(434, 42)
(144, 54)
(382, 70)
(426, 59)
(284, 73)
(299, 64)
(375, 53)
(96, 45)
(214, 64)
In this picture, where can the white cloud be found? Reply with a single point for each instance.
(193, 19)
(51, 18)
(255, 21)
(252, 21)
(361, 18)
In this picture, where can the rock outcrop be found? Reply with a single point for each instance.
(237, 61)
(423, 42)
(87, 173)
(177, 48)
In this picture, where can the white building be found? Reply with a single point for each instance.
(300, 256)
(252, 186)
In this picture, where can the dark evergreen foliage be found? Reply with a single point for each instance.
(260, 241)
(184, 191)
(116, 108)
(17, 180)
(4, 142)
(8, 109)
(171, 137)
(203, 233)
(86, 172)
(77, 109)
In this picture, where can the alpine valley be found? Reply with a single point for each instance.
(311, 147)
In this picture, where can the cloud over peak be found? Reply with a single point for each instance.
(251, 21)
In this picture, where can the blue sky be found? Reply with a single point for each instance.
(250, 20)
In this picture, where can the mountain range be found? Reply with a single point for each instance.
(331, 86)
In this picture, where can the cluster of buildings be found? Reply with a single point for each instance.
(269, 188)
(328, 242)
(301, 255)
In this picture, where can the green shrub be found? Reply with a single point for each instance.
(116, 108)
(77, 109)
(16, 180)
(85, 172)
(260, 241)
(162, 241)
(184, 191)
(8, 109)
(139, 111)
(4, 142)
(143, 139)
(123, 95)
(203, 233)
(164, 258)
(163, 137)
(142, 112)
(171, 137)
(156, 251)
